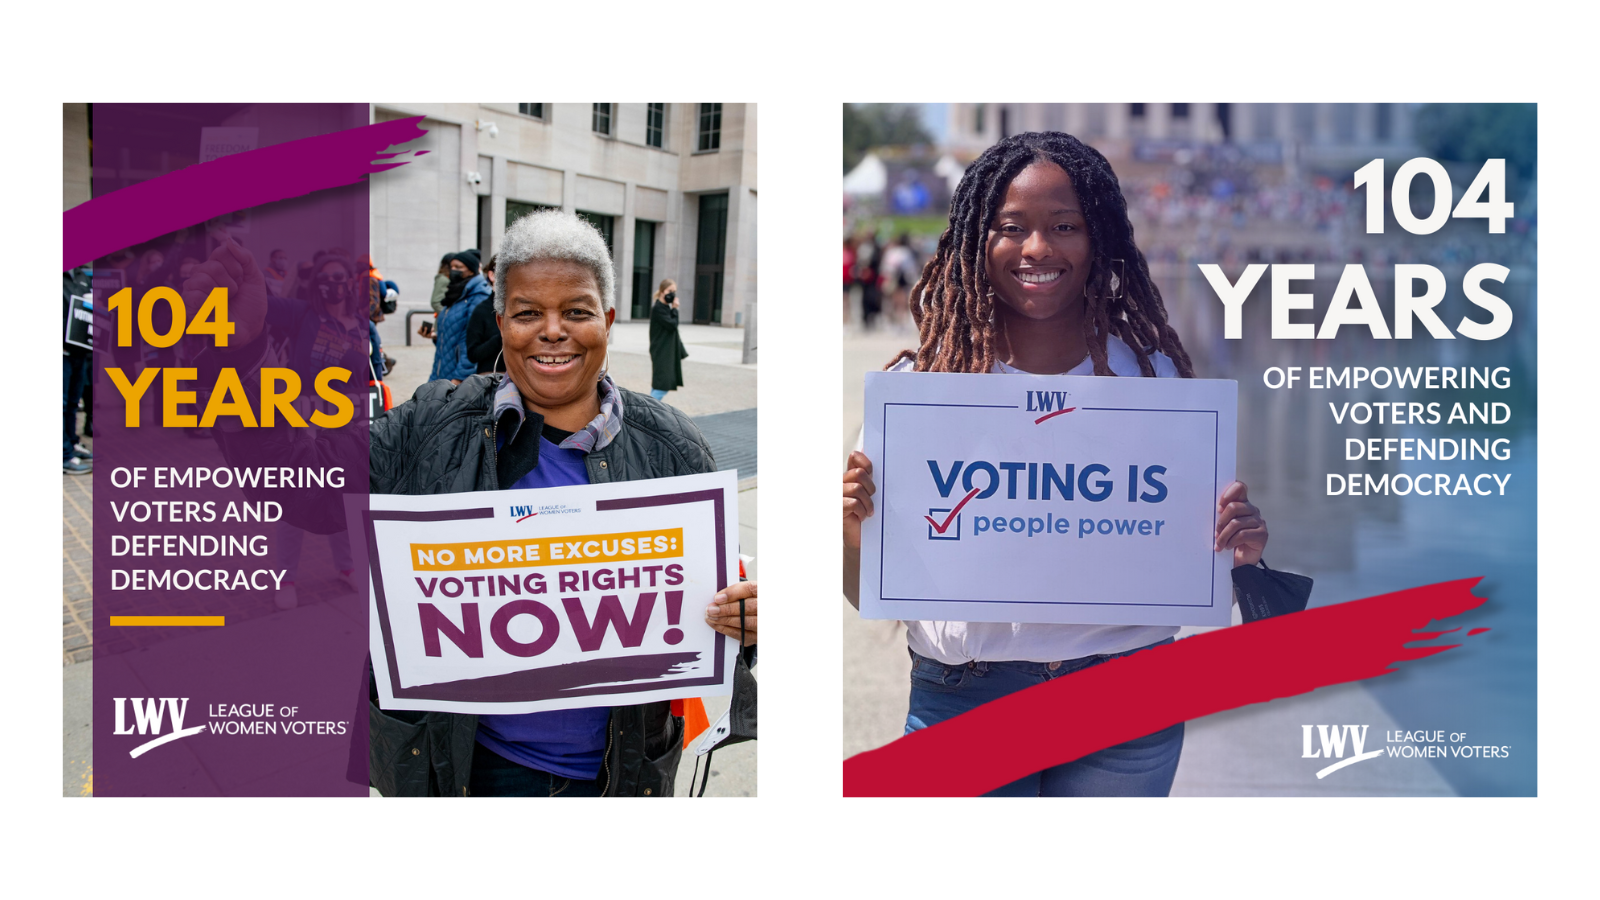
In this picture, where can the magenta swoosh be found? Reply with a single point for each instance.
(204, 191)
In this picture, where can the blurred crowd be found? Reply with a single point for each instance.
(878, 277)
(169, 261)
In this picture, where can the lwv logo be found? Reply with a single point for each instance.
(1333, 740)
(148, 714)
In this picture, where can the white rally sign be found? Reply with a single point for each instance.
(1052, 499)
(525, 600)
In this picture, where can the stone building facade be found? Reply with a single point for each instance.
(672, 186)
(1314, 133)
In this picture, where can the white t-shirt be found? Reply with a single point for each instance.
(957, 643)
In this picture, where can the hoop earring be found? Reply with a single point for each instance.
(497, 358)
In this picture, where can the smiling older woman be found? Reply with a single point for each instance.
(555, 418)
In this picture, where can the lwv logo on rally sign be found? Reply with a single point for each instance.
(1333, 739)
(148, 715)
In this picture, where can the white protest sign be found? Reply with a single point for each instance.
(1047, 498)
(558, 598)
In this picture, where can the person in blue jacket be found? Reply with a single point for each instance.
(450, 359)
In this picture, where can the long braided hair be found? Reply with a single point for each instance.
(954, 304)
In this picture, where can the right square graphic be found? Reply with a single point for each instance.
(1190, 449)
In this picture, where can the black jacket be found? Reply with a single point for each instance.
(440, 442)
(483, 339)
(666, 348)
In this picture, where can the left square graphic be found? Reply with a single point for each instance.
(253, 311)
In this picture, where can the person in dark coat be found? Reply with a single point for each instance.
(483, 333)
(666, 348)
(75, 374)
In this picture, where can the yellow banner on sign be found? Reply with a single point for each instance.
(661, 543)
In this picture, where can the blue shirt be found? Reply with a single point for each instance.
(565, 742)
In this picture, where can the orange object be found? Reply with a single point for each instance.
(693, 710)
(695, 723)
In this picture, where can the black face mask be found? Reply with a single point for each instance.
(333, 293)
(453, 292)
(457, 276)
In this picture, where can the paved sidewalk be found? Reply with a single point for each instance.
(77, 535)
(714, 379)
(732, 438)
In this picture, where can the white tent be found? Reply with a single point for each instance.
(950, 170)
(869, 178)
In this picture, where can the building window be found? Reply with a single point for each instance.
(1344, 122)
(644, 266)
(977, 119)
(655, 117)
(531, 109)
(1383, 124)
(516, 209)
(1305, 121)
(602, 118)
(710, 127)
(1136, 110)
(1096, 119)
(711, 250)
(1266, 125)
(605, 224)
(1180, 110)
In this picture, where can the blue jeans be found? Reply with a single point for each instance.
(495, 776)
(657, 394)
(1139, 768)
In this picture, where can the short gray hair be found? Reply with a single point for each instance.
(554, 234)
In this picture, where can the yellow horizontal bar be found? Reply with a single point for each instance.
(119, 621)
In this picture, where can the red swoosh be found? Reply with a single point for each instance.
(1075, 715)
(1054, 414)
(953, 513)
(528, 516)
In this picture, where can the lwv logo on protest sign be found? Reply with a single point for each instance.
(1333, 739)
(148, 715)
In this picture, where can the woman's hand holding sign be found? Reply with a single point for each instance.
(1240, 527)
(858, 491)
(723, 613)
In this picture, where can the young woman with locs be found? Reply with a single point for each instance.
(1038, 273)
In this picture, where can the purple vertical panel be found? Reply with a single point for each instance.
(232, 518)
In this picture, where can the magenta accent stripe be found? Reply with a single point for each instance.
(204, 191)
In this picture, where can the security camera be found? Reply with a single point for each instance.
(474, 179)
(493, 129)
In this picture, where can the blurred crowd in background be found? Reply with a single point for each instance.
(169, 261)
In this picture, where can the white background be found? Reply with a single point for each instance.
(799, 63)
